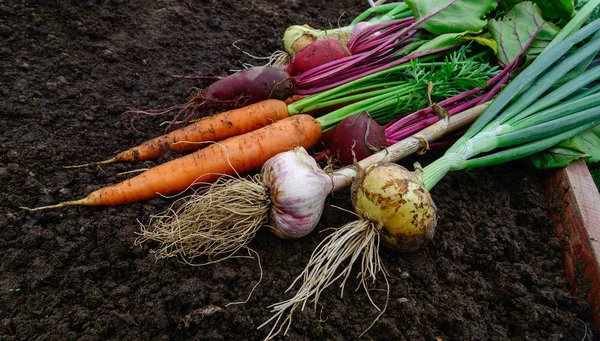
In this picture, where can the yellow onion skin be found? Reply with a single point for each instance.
(397, 202)
(297, 37)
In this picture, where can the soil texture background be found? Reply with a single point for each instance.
(68, 69)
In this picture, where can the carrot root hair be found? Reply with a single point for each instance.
(212, 225)
(193, 108)
(198, 106)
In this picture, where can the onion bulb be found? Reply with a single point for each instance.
(396, 201)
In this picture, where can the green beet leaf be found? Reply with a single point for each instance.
(512, 32)
(557, 9)
(556, 157)
(441, 42)
(551, 9)
(454, 16)
(585, 145)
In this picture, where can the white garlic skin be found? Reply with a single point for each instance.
(297, 188)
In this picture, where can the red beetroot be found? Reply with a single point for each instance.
(236, 90)
(251, 85)
(355, 138)
(317, 53)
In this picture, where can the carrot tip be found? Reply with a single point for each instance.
(76, 166)
(42, 207)
(97, 163)
(59, 205)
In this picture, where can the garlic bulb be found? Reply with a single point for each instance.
(297, 188)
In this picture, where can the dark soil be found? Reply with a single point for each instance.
(69, 68)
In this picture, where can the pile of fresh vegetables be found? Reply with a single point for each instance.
(400, 76)
(288, 195)
(550, 101)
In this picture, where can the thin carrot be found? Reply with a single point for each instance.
(240, 154)
(213, 128)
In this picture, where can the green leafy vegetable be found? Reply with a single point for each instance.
(557, 9)
(454, 16)
(516, 28)
(585, 145)
(441, 42)
(551, 9)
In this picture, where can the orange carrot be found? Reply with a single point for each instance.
(213, 128)
(295, 98)
(240, 154)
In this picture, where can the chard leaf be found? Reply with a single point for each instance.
(517, 28)
(585, 145)
(486, 40)
(557, 9)
(454, 16)
(441, 43)
(551, 9)
(555, 158)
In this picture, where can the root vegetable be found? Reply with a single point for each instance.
(542, 106)
(251, 85)
(239, 89)
(355, 138)
(396, 201)
(394, 207)
(316, 53)
(385, 95)
(296, 37)
(297, 190)
(291, 184)
(235, 155)
(212, 128)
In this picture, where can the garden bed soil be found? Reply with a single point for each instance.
(494, 270)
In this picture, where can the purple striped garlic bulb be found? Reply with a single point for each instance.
(297, 188)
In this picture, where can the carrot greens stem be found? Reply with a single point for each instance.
(350, 87)
(401, 90)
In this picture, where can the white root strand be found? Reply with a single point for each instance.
(345, 244)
